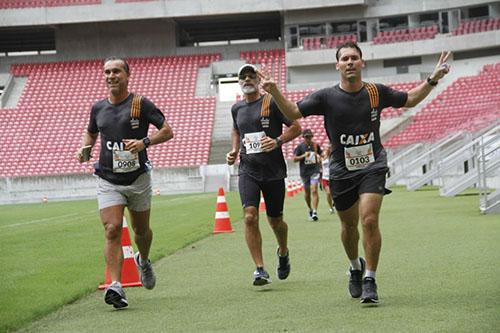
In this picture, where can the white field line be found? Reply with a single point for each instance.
(55, 219)
(45, 220)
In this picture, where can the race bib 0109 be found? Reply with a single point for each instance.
(124, 161)
(358, 157)
(252, 142)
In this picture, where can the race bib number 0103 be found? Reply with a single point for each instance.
(358, 157)
(125, 161)
(252, 142)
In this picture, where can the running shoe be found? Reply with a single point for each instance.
(369, 294)
(332, 210)
(314, 216)
(261, 277)
(148, 277)
(310, 215)
(356, 279)
(115, 295)
(283, 265)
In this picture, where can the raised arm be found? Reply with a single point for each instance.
(287, 107)
(417, 94)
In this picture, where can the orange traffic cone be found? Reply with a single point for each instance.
(295, 187)
(289, 190)
(130, 275)
(262, 204)
(222, 220)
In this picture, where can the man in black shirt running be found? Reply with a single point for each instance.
(308, 154)
(358, 165)
(123, 171)
(257, 135)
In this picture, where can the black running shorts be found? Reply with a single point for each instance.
(273, 192)
(345, 192)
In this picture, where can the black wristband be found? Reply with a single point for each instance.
(431, 82)
(146, 142)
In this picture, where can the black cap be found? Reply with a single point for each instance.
(307, 132)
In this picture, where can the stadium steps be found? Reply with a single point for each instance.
(491, 203)
(416, 163)
(445, 148)
(488, 144)
(15, 90)
(203, 82)
(221, 134)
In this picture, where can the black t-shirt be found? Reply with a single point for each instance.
(311, 165)
(115, 124)
(247, 119)
(352, 126)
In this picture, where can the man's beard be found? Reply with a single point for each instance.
(248, 89)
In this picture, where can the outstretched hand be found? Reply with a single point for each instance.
(442, 67)
(266, 80)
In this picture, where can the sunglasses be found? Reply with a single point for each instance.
(252, 76)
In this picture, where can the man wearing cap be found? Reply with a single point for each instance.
(358, 165)
(308, 153)
(257, 135)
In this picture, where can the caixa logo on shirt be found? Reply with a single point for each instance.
(110, 145)
(356, 140)
(264, 122)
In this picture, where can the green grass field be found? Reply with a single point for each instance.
(438, 270)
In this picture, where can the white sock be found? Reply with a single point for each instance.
(356, 264)
(370, 274)
(117, 282)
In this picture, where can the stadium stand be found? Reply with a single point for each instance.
(12, 4)
(331, 42)
(54, 108)
(271, 60)
(469, 104)
(404, 35)
(478, 25)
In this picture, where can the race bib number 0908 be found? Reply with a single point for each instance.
(124, 161)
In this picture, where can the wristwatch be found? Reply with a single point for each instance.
(279, 142)
(146, 142)
(431, 82)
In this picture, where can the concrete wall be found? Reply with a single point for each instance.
(110, 11)
(296, 11)
(83, 186)
(373, 9)
(99, 40)
(103, 43)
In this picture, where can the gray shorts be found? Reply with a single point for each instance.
(311, 180)
(136, 196)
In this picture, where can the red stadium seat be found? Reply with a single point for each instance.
(470, 103)
(58, 112)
